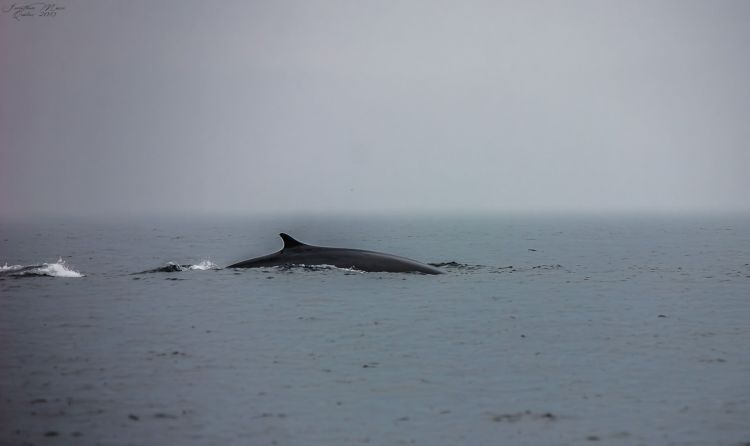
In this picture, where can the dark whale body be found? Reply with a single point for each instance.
(298, 253)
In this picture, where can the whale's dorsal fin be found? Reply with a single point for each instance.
(289, 242)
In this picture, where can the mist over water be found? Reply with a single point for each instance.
(336, 106)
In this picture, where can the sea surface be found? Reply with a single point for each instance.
(545, 330)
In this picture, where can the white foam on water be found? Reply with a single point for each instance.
(204, 265)
(7, 268)
(57, 269)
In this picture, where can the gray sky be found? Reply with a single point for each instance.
(237, 106)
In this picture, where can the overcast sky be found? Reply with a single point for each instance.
(237, 106)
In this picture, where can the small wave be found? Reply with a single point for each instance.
(456, 266)
(322, 267)
(57, 269)
(172, 267)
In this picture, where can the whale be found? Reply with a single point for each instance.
(297, 253)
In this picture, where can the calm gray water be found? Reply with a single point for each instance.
(547, 330)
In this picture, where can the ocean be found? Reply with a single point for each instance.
(545, 330)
